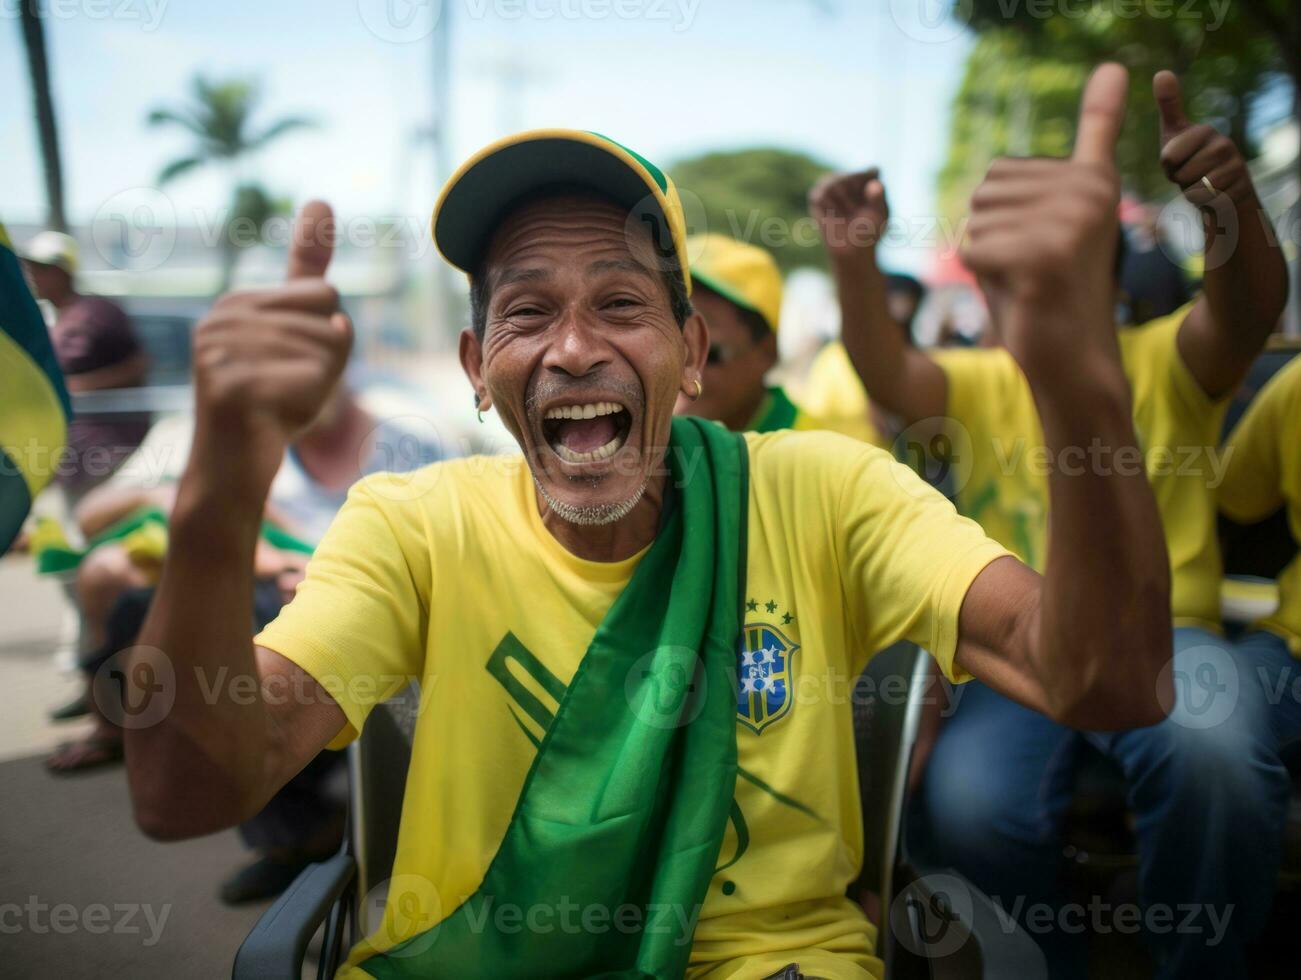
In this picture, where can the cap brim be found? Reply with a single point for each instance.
(480, 194)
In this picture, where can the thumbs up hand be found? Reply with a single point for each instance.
(1205, 164)
(267, 360)
(1042, 240)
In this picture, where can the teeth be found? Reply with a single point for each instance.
(588, 411)
(599, 453)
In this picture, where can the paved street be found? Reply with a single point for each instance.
(83, 894)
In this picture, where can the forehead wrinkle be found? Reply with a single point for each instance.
(619, 265)
(514, 274)
(547, 221)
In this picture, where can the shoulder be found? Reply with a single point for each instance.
(471, 483)
(1153, 336)
(963, 363)
(1278, 403)
(98, 311)
(805, 467)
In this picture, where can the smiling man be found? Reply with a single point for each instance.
(593, 788)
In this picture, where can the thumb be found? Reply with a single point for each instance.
(874, 192)
(1102, 113)
(1170, 103)
(312, 242)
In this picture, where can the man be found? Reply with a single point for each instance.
(1263, 477)
(574, 614)
(97, 350)
(737, 288)
(1000, 777)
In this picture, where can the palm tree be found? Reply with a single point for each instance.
(219, 116)
(39, 69)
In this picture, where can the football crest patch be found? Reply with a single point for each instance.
(765, 675)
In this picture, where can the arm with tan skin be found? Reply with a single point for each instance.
(1244, 288)
(1086, 642)
(852, 214)
(265, 363)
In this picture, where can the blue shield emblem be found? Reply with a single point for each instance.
(765, 675)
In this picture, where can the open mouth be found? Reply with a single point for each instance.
(587, 432)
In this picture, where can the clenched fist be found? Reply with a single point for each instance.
(1042, 239)
(851, 213)
(1206, 165)
(267, 360)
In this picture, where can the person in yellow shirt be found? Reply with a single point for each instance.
(832, 389)
(1000, 778)
(737, 288)
(633, 640)
(1262, 478)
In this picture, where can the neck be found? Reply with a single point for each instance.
(747, 412)
(609, 542)
(64, 298)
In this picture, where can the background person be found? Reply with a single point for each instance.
(1000, 777)
(737, 288)
(97, 351)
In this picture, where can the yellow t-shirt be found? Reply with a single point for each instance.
(1264, 474)
(1003, 482)
(449, 576)
(995, 452)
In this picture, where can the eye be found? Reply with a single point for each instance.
(622, 303)
(524, 310)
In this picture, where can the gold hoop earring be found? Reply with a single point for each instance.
(700, 390)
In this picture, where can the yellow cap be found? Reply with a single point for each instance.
(743, 274)
(479, 194)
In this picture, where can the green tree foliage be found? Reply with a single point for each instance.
(220, 118)
(1023, 77)
(759, 195)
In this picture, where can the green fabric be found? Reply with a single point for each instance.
(777, 411)
(628, 796)
(51, 561)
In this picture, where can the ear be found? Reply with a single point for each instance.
(768, 350)
(695, 336)
(471, 352)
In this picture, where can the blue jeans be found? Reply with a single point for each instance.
(1207, 787)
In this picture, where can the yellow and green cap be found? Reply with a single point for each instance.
(741, 273)
(482, 191)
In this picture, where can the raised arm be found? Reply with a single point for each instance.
(1087, 642)
(1244, 286)
(852, 214)
(214, 745)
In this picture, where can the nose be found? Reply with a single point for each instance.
(578, 346)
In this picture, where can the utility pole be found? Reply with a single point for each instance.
(447, 301)
(38, 70)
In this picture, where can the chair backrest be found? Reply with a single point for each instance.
(887, 702)
(377, 770)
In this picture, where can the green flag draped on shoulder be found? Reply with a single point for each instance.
(34, 404)
(624, 808)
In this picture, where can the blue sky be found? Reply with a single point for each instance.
(851, 82)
